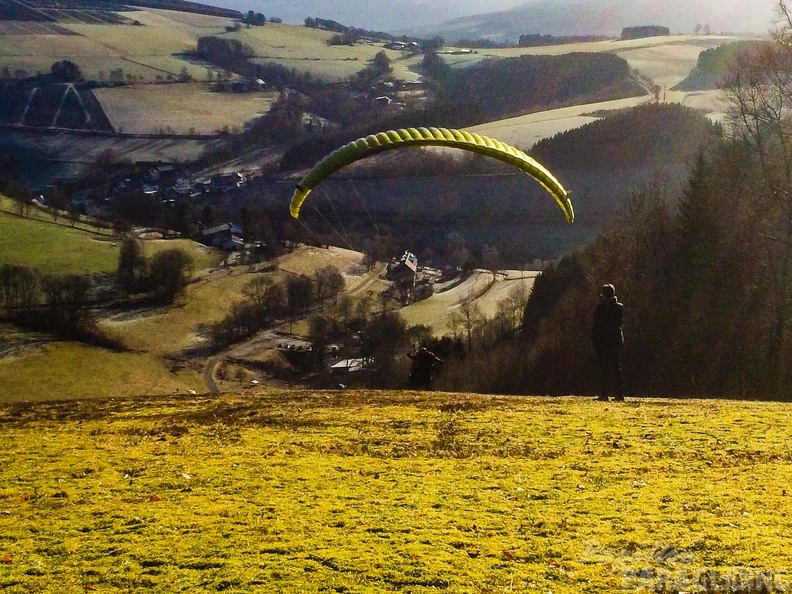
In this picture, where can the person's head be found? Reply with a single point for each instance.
(608, 291)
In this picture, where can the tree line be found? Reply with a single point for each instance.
(66, 305)
(705, 274)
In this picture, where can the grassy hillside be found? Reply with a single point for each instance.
(512, 86)
(648, 135)
(32, 365)
(168, 331)
(55, 247)
(157, 48)
(714, 64)
(79, 371)
(184, 108)
(146, 51)
(384, 491)
(307, 50)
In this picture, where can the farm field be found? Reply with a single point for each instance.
(155, 50)
(479, 288)
(526, 130)
(300, 491)
(307, 50)
(189, 108)
(80, 371)
(32, 243)
(60, 248)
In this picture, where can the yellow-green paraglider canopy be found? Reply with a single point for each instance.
(448, 137)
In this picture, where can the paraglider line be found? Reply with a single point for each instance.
(329, 224)
(360, 199)
(344, 235)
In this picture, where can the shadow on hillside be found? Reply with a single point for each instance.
(282, 408)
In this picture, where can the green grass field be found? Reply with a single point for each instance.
(40, 243)
(80, 371)
(394, 491)
(54, 249)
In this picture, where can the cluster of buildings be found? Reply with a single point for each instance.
(171, 182)
(167, 182)
(412, 282)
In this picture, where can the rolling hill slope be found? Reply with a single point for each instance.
(608, 17)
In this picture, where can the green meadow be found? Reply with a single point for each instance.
(54, 249)
(298, 491)
(55, 246)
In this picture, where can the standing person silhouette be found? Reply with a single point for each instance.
(608, 339)
(423, 366)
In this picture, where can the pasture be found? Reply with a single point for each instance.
(306, 50)
(190, 108)
(156, 49)
(34, 244)
(55, 246)
(80, 371)
(167, 331)
(298, 491)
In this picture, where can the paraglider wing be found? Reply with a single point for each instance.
(393, 139)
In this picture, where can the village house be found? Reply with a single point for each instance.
(403, 273)
(224, 237)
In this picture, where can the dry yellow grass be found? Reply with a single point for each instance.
(307, 50)
(366, 492)
(169, 330)
(158, 35)
(438, 311)
(184, 108)
(306, 260)
(69, 370)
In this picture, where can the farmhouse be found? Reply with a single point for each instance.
(227, 181)
(403, 273)
(223, 236)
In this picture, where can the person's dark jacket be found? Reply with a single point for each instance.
(606, 333)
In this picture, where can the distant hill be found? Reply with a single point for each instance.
(598, 163)
(607, 17)
(384, 15)
(499, 88)
(648, 135)
(513, 86)
(713, 65)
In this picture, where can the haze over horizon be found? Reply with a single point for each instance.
(423, 15)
